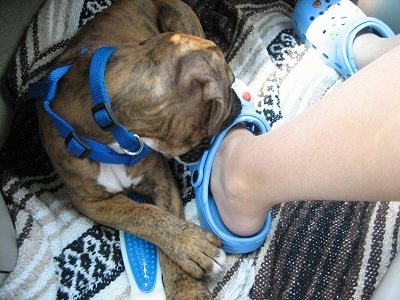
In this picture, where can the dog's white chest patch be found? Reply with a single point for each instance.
(115, 179)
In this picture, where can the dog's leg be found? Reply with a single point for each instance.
(186, 251)
(179, 284)
(187, 247)
(194, 250)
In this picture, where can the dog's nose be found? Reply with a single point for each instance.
(195, 154)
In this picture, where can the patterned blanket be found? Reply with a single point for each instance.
(315, 249)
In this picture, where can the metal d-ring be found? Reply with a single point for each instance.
(141, 146)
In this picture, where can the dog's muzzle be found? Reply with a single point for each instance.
(195, 154)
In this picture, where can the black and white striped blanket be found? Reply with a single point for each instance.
(315, 250)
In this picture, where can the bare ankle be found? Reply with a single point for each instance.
(376, 46)
(362, 57)
(239, 211)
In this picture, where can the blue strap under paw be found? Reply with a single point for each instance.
(141, 264)
(142, 257)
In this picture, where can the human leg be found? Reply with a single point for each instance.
(342, 148)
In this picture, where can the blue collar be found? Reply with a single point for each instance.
(130, 143)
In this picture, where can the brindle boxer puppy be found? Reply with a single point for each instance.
(171, 87)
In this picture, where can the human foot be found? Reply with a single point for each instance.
(330, 28)
(231, 187)
(376, 46)
(236, 241)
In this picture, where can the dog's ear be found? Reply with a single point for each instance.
(198, 81)
(213, 94)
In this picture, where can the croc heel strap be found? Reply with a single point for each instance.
(201, 171)
(141, 264)
(330, 27)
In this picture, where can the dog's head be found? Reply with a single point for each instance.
(175, 93)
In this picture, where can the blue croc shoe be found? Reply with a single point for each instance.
(201, 171)
(330, 27)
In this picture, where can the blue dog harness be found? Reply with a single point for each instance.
(131, 144)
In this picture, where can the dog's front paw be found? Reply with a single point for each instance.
(197, 251)
(181, 286)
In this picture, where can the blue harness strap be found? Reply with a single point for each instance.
(102, 112)
(132, 146)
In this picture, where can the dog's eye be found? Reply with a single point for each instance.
(143, 42)
(194, 154)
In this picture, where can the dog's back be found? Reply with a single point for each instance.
(133, 21)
